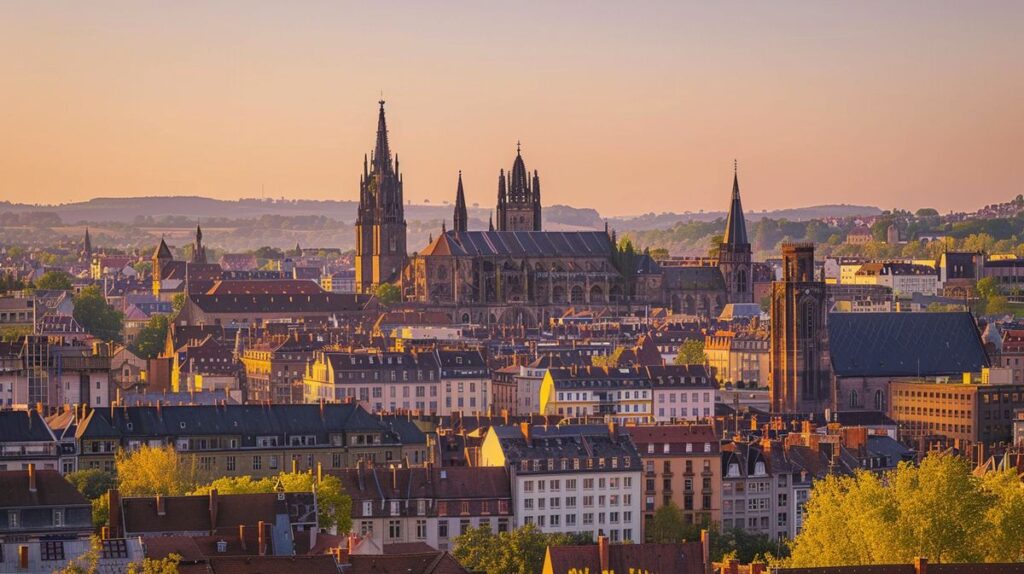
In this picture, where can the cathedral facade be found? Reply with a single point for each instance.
(518, 198)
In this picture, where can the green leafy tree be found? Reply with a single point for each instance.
(1003, 541)
(151, 338)
(691, 352)
(149, 471)
(89, 562)
(92, 482)
(96, 315)
(177, 302)
(165, 565)
(388, 294)
(667, 525)
(334, 506)
(57, 280)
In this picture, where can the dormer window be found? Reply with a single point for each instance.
(759, 468)
(734, 470)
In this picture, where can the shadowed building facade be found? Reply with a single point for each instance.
(800, 375)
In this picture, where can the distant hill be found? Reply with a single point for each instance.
(126, 209)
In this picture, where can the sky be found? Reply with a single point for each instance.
(626, 107)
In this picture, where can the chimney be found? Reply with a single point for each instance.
(260, 541)
(705, 545)
(213, 509)
(161, 509)
(612, 431)
(23, 557)
(31, 477)
(105, 533)
(524, 427)
(319, 472)
(241, 536)
(920, 565)
(114, 513)
(602, 550)
(394, 477)
(295, 466)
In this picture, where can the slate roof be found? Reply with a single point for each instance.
(522, 244)
(694, 278)
(192, 513)
(246, 421)
(567, 442)
(281, 303)
(52, 489)
(904, 344)
(23, 426)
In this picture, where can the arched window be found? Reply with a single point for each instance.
(596, 294)
(576, 295)
(853, 399)
(807, 330)
(741, 281)
(879, 400)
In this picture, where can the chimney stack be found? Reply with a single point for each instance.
(524, 427)
(705, 544)
(31, 477)
(603, 552)
(161, 506)
(114, 512)
(213, 510)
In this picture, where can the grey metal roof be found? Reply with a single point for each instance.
(530, 243)
(904, 344)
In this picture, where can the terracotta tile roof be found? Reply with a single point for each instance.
(426, 563)
(684, 558)
(321, 564)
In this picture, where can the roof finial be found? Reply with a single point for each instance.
(735, 167)
(519, 146)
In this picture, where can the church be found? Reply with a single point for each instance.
(515, 272)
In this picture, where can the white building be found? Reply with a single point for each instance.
(571, 479)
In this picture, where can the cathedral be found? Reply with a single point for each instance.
(517, 274)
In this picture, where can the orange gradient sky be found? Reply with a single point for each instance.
(628, 107)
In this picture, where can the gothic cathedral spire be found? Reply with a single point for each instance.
(519, 197)
(380, 222)
(460, 222)
(734, 257)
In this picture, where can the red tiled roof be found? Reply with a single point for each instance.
(426, 563)
(684, 558)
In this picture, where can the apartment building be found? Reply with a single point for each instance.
(682, 466)
(570, 478)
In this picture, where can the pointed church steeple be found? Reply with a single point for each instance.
(382, 152)
(87, 245)
(198, 251)
(490, 222)
(460, 222)
(735, 224)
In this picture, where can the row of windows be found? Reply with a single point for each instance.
(555, 485)
(602, 463)
(555, 502)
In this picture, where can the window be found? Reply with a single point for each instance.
(115, 548)
(442, 529)
(52, 550)
(421, 529)
(257, 462)
(367, 508)
(394, 529)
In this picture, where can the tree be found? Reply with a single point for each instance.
(667, 525)
(1002, 541)
(388, 294)
(939, 509)
(96, 315)
(715, 245)
(177, 302)
(56, 280)
(152, 337)
(334, 506)
(92, 482)
(926, 212)
(149, 471)
(520, 551)
(611, 360)
(691, 352)
(88, 563)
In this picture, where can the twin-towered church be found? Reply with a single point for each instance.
(517, 273)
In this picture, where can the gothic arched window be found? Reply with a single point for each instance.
(879, 400)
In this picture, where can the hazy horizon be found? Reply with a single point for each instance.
(626, 108)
